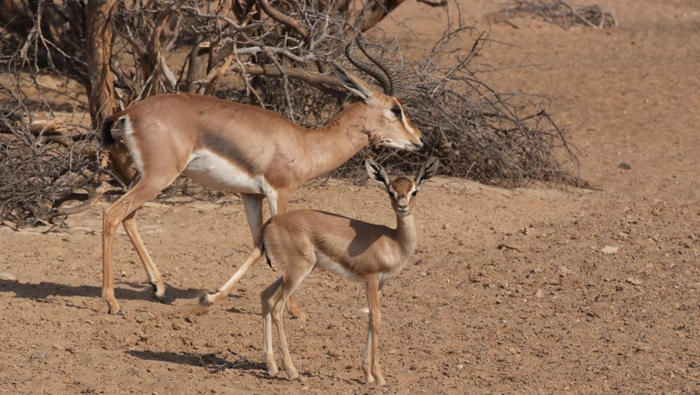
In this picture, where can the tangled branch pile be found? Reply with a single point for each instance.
(557, 12)
(43, 165)
(274, 55)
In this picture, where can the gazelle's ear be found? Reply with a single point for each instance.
(428, 170)
(377, 173)
(355, 85)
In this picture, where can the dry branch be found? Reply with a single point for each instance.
(284, 19)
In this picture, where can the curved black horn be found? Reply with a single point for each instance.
(379, 74)
(389, 75)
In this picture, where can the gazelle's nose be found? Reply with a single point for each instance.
(420, 144)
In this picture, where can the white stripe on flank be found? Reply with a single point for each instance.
(209, 169)
(327, 263)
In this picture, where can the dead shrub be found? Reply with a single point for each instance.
(274, 56)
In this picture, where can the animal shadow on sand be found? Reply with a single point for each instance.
(216, 362)
(136, 291)
(212, 362)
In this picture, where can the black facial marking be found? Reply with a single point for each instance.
(396, 110)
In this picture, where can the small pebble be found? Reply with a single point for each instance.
(634, 281)
(563, 271)
(625, 166)
(40, 355)
(608, 250)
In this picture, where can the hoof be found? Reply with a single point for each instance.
(272, 372)
(113, 309)
(204, 299)
(300, 316)
(271, 365)
(297, 314)
(292, 374)
(121, 313)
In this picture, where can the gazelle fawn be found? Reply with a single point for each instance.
(298, 241)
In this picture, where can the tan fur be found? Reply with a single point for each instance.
(164, 131)
(298, 241)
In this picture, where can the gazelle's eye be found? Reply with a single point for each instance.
(414, 193)
(396, 110)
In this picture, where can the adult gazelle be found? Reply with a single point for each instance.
(245, 149)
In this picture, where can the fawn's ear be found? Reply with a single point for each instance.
(377, 173)
(353, 84)
(426, 172)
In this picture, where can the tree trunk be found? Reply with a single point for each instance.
(100, 84)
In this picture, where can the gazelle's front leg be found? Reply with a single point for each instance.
(153, 274)
(370, 364)
(253, 212)
(273, 300)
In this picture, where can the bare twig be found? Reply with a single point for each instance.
(284, 19)
(303, 75)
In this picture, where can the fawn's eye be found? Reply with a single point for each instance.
(396, 110)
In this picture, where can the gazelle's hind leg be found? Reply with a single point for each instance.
(253, 212)
(153, 273)
(268, 348)
(279, 204)
(273, 300)
(116, 214)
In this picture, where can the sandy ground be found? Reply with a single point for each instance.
(547, 312)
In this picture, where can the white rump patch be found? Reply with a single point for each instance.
(211, 170)
(128, 135)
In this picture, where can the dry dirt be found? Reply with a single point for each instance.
(546, 313)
